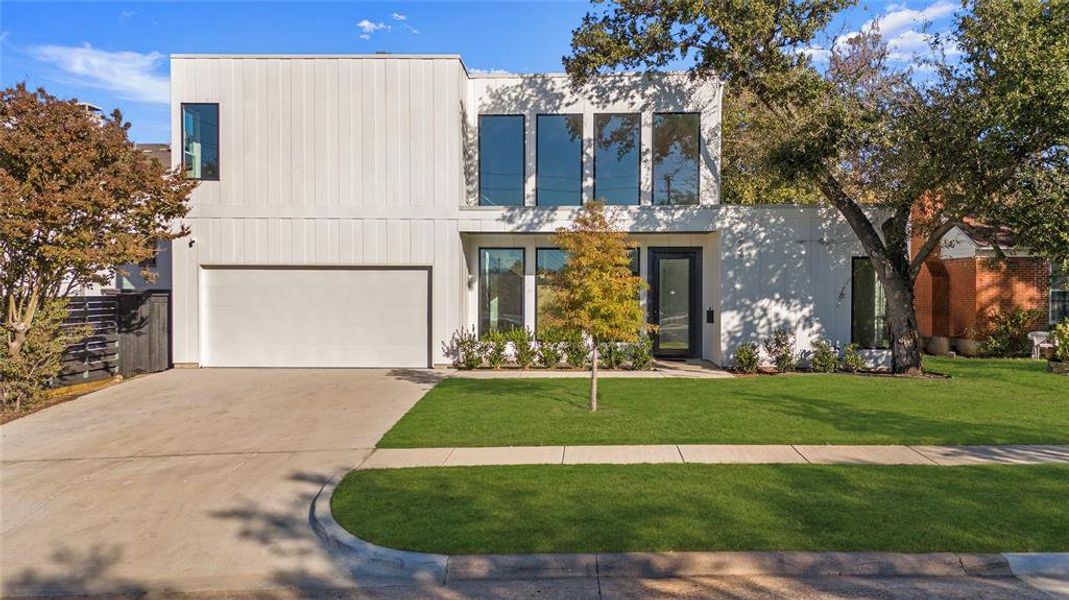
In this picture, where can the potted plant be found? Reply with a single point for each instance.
(1059, 336)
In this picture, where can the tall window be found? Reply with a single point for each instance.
(868, 307)
(560, 160)
(676, 144)
(501, 161)
(548, 261)
(616, 158)
(1059, 294)
(500, 289)
(200, 141)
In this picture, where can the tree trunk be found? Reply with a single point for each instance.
(902, 323)
(594, 379)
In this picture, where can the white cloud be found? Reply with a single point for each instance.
(478, 71)
(904, 30)
(900, 19)
(816, 53)
(370, 27)
(131, 75)
(399, 17)
(126, 15)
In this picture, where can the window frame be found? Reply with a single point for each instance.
(853, 294)
(219, 140)
(638, 146)
(653, 161)
(482, 285)
(538, 170)
(523, 161)
(1051, 322)
(537, 249)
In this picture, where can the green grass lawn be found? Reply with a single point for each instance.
(984, 402)
(612, 508)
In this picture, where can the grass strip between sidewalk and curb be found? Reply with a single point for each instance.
(656, 508)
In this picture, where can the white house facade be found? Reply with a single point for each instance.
(357, 210)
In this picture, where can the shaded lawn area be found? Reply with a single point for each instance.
(984, 402)
(615, 508)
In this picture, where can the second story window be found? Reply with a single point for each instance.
(200, 141)
(616, 158)
(501, 160)
(559, 171)
(676, 142)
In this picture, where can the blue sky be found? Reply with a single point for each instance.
(115, 54)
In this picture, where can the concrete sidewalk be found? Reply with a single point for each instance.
(393, 458)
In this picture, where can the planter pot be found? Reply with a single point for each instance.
(1058, 366)
(938, 345)
(967, 347)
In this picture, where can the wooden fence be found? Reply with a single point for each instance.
(131, 335)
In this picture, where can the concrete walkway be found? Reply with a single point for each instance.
(393, 458)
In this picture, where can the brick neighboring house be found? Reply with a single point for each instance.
(962, 285)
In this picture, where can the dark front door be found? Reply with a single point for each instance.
(675, 301)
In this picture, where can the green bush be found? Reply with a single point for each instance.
(1008, 336)
(825, 359)
(611, 355)
(746, 358)
(495, 345)
(780, 346)
(523, 350)
(640, 353)
(467, 349)
(24, 378)
(549, 349)
(1059, 336)
(852, 359)
(576, 350)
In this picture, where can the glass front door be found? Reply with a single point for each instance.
(675, 300)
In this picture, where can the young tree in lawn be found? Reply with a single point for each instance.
(77, 199)
(596, 293)
(984, 139)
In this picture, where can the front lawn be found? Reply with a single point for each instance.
(984, 402)
(615, 508)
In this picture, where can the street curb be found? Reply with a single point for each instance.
(369, 559)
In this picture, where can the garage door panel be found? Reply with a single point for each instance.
(282, 317)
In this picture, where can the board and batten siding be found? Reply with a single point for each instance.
(325, 160)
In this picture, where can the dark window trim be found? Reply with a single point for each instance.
(523, 163)
(853, 293)
(538, 138)
(218, 131)
(482, 284)
(1051, 290)
(638, 197)
(653, 163)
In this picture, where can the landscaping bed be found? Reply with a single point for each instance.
(618, 508)
(982, 402)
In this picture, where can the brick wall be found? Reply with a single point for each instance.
(1015, 283)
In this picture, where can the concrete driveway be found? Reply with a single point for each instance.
(187, 480)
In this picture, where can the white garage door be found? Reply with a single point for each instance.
(316, 317)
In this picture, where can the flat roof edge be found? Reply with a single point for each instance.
(337, 56)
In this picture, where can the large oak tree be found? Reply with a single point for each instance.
(984, 138)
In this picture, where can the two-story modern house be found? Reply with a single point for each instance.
(356, 210)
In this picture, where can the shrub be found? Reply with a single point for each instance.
(746, 358)
(523, 350)
(611, 355)
(467, 349)
(641, 353)
(852, 359)
(23, 378)
(576, 350)
(549, 349)
(780, 346)
(825, 358)
(495, 345)
(1059, 336)
(1009, 333)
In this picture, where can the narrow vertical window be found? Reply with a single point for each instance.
(548, 262)
(676, 145)
(501, 160)
(633, 254)
(868, 307)
(559, 172)
(200, 141)
(1059, 294)
(500, 289)
(616, 158)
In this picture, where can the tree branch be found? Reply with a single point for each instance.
(929, 246)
